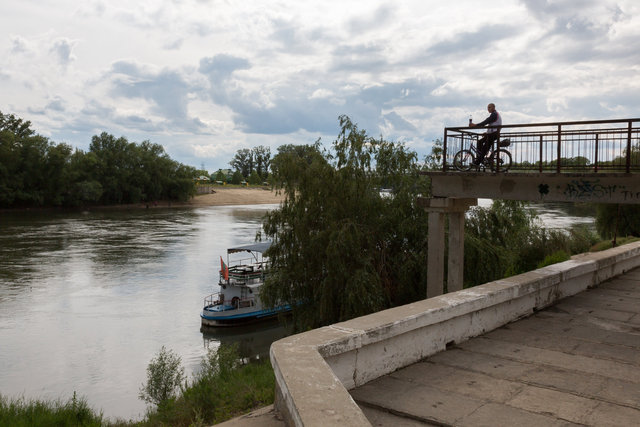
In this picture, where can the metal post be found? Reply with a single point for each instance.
(444, 151)
(595, 164)
(629, 148)
(559, 148)
(541, 142)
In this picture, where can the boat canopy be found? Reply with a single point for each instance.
(255, 247)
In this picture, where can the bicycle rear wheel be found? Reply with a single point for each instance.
(500, 161)
(463, 160)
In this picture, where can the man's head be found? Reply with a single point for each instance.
(491, 108)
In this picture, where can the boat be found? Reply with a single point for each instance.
(237, 301)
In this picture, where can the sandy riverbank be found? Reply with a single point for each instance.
(225, 197)
(236, 196)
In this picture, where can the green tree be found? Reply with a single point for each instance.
(262, 157)
(221, 176)
(254, 178)
(243, 162)
(236, 178)
(433, 161)
(506, 239)
(341, 249)
(165, 376)
(617, 220)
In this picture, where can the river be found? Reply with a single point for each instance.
(87, 299)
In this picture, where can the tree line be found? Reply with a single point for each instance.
(35, 171)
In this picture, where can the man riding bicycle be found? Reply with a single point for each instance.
(492, 135)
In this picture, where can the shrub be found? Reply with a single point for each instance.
(165, 375)
(554, 258)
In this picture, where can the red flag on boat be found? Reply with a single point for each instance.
(224, 269)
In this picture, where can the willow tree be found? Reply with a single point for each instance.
(342, 247)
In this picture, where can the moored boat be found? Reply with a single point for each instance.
(238, 300)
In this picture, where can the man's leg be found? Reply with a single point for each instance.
(482, 150)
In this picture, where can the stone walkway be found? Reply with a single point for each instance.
(576, 363)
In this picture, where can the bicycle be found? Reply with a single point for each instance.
(496, 160)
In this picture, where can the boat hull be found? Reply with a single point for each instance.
(211, 317)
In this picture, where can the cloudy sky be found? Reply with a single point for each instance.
(205, 78)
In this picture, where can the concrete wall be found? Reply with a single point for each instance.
(543, 187)
(315, 369)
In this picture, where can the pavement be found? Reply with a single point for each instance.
(576, 363)
(263, 417)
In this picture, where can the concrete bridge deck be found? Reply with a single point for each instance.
(575, 363)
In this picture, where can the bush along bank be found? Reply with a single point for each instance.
(224, 387)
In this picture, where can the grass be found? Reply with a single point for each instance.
(608, 244)
(208, 399)
(554, 258)
(34, 413)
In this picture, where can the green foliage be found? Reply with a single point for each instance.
(433, 161)
(262, 157)
(254, 178)
(608, 244)
(505, 239)
(617, 220)
(246, 161)
(554, 258)
(243, 162)
(165, 375)
(220, 176)
(36, 413)
(223, 388)
(37, 172)
(236, 178)
(342, 249)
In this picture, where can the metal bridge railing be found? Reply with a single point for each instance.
(584, 146)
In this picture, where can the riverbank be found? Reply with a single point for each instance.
(222, 196)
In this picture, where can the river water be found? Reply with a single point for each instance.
(87, 299)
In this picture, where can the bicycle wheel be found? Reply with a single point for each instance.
(463, 160)
(501, 158)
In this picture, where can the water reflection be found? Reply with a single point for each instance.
(253, 341)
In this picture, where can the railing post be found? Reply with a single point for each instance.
(444, 151)
(629, 148)
(541, 142)
(559, 148)
(595, 165)
(496, 145)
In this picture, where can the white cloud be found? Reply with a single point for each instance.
(206, 78)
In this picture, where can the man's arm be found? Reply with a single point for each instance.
(492, 118)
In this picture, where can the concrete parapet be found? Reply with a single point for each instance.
(315, 369)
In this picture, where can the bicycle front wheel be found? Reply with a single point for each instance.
(463, 160)
(500, 161)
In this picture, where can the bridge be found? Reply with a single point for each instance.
(450, 359)
(587, 161)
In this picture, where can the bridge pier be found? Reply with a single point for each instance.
(438, 209)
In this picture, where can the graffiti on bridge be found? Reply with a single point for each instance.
(588, 189)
